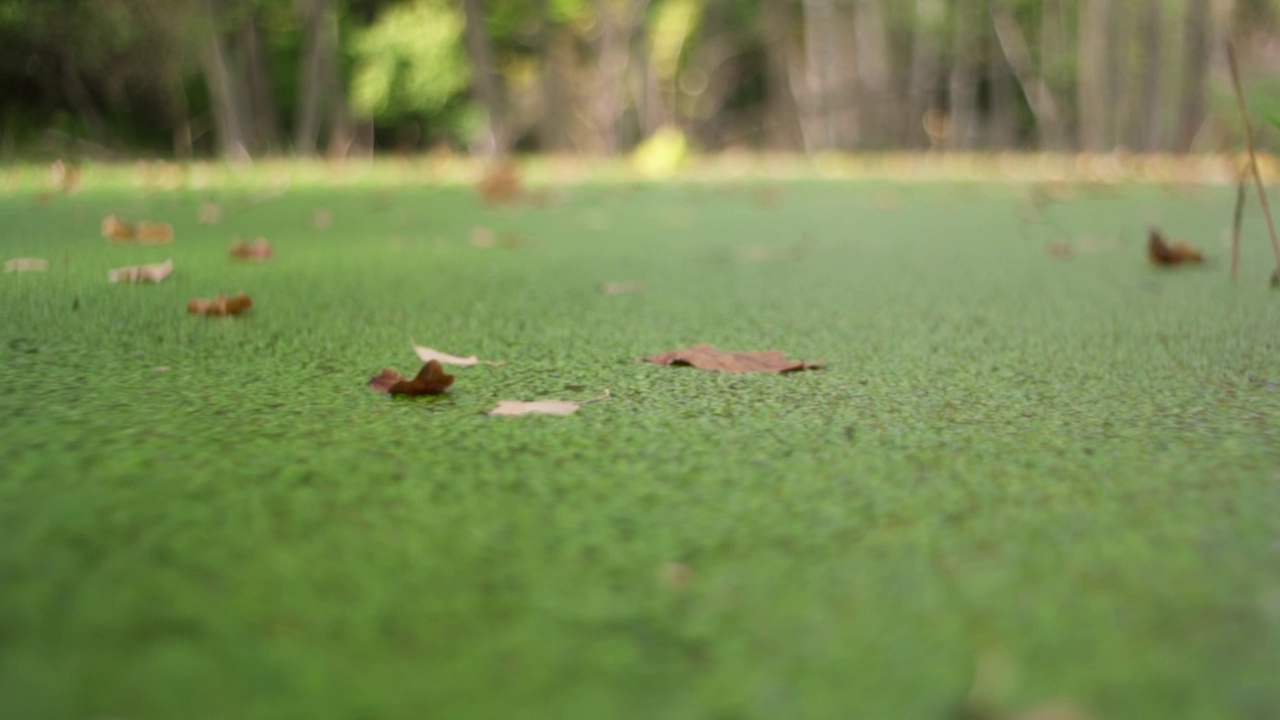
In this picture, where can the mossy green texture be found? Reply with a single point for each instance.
(1074, 465)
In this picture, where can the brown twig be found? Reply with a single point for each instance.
(1253, 158)
(1237, 220)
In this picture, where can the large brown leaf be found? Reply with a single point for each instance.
(430, 380)
(706, 357)
(1161, 252)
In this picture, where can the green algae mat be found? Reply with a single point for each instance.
(1035, 475)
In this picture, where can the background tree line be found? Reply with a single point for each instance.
(253, 77)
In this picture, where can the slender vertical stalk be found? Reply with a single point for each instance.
(1253, 158)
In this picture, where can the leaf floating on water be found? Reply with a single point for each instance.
(210, 213)
(706, 357)
(1161, 252)
(427, 354)
(430, 380)
(220, 306)
(500, 184)
(147, 233)
(259, 250)
(24, 264)
(322, 219)
(621, 288)
(483, 237)
(515, 408)
(153, 273)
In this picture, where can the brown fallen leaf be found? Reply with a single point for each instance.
(115, 229)
(258, 250)
(426, 354)
(1060, 250)
(64, 177)
(321, 219)
(210, 213)
(154, 233)
(483, 237)
(500, 184)
(145, 232)
(154, 273)
(430, 380)
(220, 306)
(625, 287)
(675, 576)
(514, 408)
(706, 357)
(767, 253)
(1160, 252)
(24, 264)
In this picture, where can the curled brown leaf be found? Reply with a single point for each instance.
(1161, 252)
(259, 250)
(430, 380)
(220, 306)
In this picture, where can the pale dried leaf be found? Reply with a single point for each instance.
(154, 273)
(483, 237)
(322, 219)
(24, 264)
(427, 354)
(621, 288)
(210, 213)
(514, 408)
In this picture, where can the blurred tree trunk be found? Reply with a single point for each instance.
(486, 82)
(226, 92)
(782, 126)
(1146, 122)
(877, 100)
(555, 68)
(618, 21)
(1195, 72)
(926, 69)
(1013, 44)
(819, 67)
(1002, 121)
(846, 131)
(962, 86)
(320, 79)
(1054, 60)
(263, 117)
(1093, 100)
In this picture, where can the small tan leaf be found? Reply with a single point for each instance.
(146, 233)
(24, 264)
(621, 288)
(220, 306)
(426, 354)
(706, 357)
(210, 213)
(259, 250)
(321, 219)
(514, 408)
(154, 273)
(116, 230)
(483, 237)
(430, 380)
(154, 233)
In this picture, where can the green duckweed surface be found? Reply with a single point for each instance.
(1068, 470)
